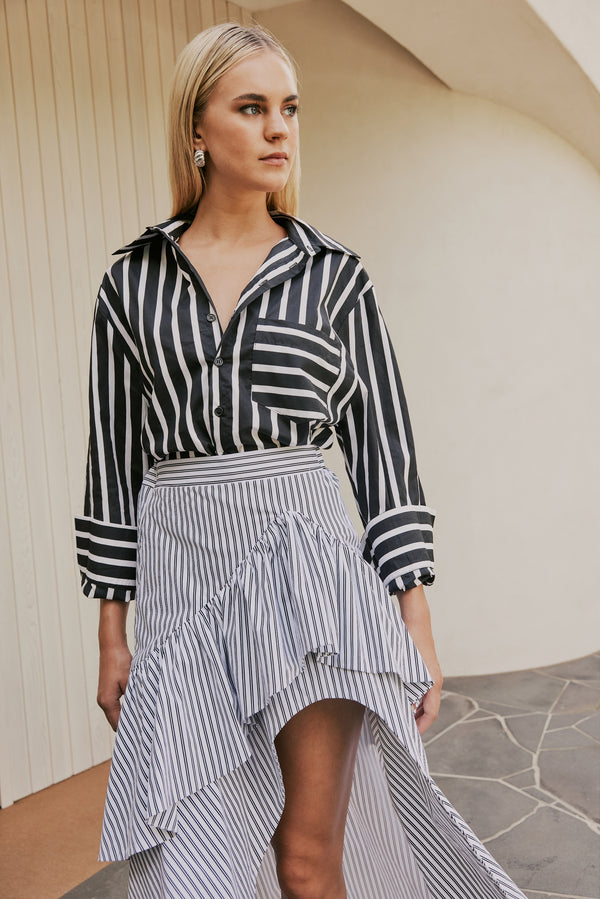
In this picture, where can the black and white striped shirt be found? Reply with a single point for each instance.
(305, 356)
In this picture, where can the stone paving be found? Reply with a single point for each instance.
(518, 754)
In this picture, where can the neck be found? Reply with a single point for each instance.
(232, 219)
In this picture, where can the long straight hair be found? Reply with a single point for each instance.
(200, 64)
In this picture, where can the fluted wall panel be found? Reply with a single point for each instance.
(83, 92)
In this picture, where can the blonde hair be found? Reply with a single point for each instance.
(201, 63)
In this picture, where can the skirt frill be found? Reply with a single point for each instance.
(194, 763)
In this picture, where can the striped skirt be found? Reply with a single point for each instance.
(253, 602)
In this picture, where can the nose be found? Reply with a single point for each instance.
(276, 126)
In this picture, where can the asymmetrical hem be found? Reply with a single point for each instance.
(254, 600)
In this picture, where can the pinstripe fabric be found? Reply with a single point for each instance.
(304, 359)
(254, 600)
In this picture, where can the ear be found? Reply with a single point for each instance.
(198, 142)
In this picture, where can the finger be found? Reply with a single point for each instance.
(423, 724)
(112, 715)
(111, 708)
(426, 719)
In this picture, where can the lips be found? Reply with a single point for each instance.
(275, 156)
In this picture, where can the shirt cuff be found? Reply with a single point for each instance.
(399, 544)
(106, 555)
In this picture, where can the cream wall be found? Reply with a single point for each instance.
(480, 230)
(577, 25)
(83, 87)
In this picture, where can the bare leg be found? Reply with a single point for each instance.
(317, 751)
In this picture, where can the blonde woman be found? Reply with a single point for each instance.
(268, 737)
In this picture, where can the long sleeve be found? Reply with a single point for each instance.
(106, 534)
(375, 435)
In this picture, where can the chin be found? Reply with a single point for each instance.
(269, 182)
(270, 185)
(276, 184)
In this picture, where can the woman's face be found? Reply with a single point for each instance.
(249, 128)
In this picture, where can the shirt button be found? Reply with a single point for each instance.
(219, 411)
(211, 317)
(218, 361)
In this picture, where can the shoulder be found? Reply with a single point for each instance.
(310, 238)
(170, 230)
(127, 272)
(133, 258)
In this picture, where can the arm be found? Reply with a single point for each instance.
(115, 658)
(376, 438)
(417, 618)
(375, 435)
(107, 531)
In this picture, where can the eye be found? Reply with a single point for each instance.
(251, 109)
(291, 111)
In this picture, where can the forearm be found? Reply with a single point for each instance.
(112, 630)
(417, 618)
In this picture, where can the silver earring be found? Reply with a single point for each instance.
(199, 159)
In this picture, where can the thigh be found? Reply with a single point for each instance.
(317, 752)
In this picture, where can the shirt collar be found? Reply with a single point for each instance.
(172, 228)
(305, 236)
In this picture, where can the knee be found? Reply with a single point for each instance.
(313, 873)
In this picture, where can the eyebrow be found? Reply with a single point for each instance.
(260, 98)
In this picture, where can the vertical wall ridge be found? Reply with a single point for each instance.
(83, 101)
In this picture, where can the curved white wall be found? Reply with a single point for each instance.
(577, 26)
(480, 230)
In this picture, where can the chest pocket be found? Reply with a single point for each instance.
(294, 368)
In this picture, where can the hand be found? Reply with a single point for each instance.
(115, 662)
(115, 658)
(426, 710)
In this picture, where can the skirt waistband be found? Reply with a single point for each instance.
(244, 466)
